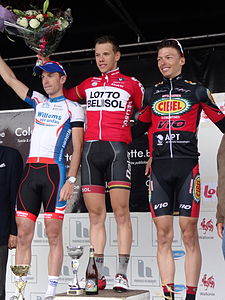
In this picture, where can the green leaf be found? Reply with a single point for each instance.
(49, 14)
(19, 12)
(45, 6)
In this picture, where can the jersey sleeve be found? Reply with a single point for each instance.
(138, 94)
(33, 98)
(77, 114)
(210, 108)
(76, 93)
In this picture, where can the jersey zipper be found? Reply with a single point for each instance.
(170, 135)
(100, 117)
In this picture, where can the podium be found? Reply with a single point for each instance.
(109, 294)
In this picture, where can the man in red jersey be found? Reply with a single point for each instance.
(110, 100)
(173, 108)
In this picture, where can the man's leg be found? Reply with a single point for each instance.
(166, 265)
(55, 257)
(3, 264)
(120, 205)
(25, 228)
(193, 257)
(95, 204)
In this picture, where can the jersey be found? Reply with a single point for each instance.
(173, 109)
(53, 121)
(110, 99)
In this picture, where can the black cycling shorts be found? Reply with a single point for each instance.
(102, 162)
(41, 184)
(175, 187)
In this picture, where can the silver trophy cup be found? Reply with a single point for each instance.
(75, 253)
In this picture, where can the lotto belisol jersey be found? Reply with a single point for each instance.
(53, 122)
(173, 109)
(110, 99)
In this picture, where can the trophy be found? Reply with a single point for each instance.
(20, 270)
(75, 253)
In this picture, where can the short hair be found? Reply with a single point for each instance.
(171, 43)
(108, 39)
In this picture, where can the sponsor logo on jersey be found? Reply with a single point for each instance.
(197, 188)
(174, 106)
(114, 99)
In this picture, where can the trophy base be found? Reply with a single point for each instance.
(75, 292)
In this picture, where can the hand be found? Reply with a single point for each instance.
(42, 59)
(148, 166)
(66, 191)
(220, 227)
(12, 241)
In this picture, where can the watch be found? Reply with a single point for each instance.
(71, 179)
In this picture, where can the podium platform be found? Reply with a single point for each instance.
(109, 294)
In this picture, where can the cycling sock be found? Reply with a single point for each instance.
(123, 264)
(52, 285)
(168, 290)
(99, 259)
(191, 292)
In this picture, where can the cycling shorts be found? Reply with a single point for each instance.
(105, 162)
(175, 187)
(41, 184)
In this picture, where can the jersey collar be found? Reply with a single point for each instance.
(57, 99)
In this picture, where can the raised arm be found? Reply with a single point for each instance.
(10, 79)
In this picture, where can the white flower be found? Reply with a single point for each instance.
(22, 21)
(40, 17)
(34, 23)
(63, 23)
(32, 12)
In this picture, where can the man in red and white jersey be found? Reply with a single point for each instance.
(44, 178)
(110, 99)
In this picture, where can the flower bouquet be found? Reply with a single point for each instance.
(42, 30)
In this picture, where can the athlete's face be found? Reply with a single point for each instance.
(53, 83)
(170, 62)
(106, 58)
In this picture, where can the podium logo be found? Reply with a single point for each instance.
(37, 296)
(178, 254)
(208, 281)
(79, 230)
(40, 237)
(144, 271)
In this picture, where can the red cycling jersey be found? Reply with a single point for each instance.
(110, 99)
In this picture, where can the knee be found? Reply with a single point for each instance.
(97, 217)
(122, 215)
(24, 236)
(190, 238)
(164, 238)
(54, 237)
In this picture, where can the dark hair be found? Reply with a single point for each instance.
(108, 39)
(172, 43)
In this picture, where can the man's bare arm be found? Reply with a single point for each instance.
(10, 79)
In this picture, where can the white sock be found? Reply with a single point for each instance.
(18, 278)
(52, 285)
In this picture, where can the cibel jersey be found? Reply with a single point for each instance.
(173, 109)
(53, 122)
(110, 99)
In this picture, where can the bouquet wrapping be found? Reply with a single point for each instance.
(41, 30)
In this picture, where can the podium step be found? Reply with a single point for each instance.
(109, 294)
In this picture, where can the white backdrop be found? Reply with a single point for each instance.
(142, 270)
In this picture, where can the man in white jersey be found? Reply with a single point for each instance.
(44, 179)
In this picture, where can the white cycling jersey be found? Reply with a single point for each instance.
(54, 119)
